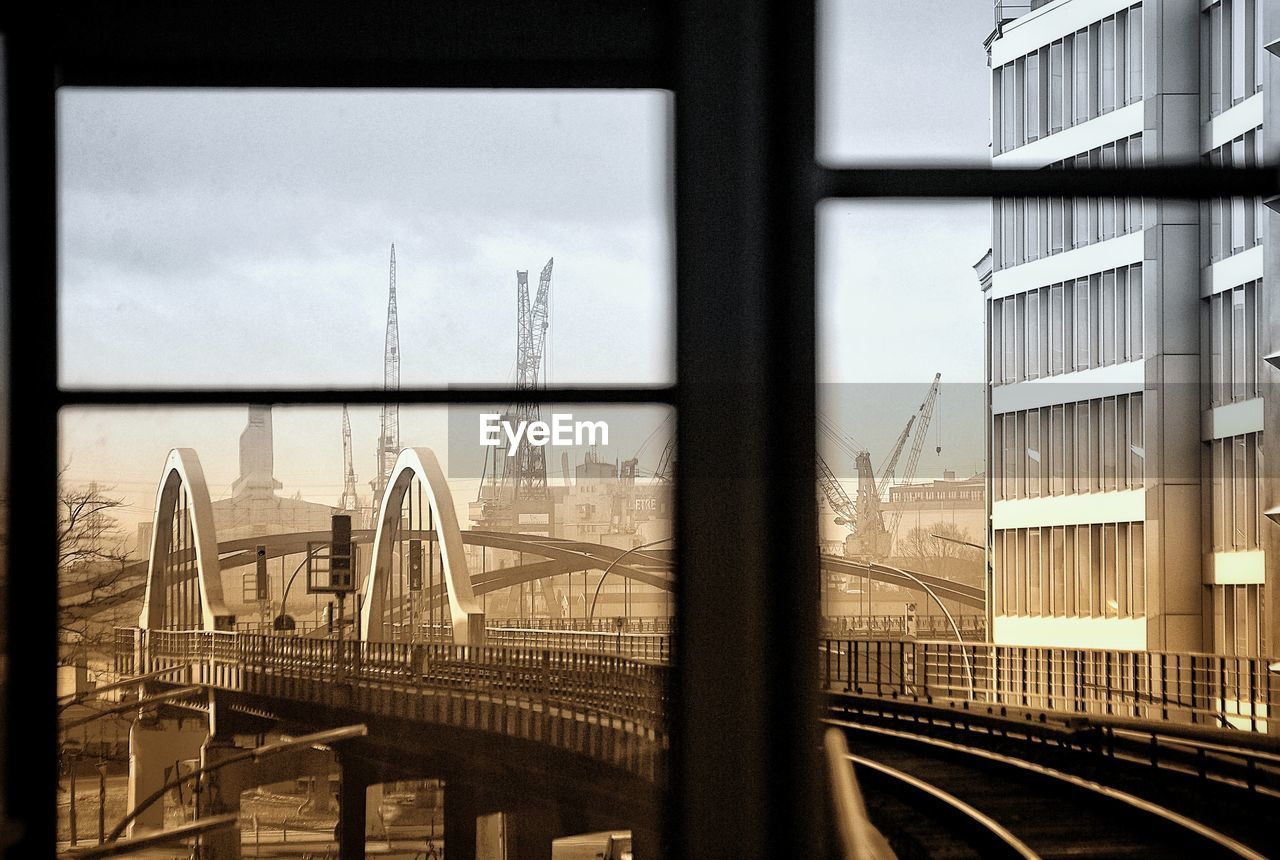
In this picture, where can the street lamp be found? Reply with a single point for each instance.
(955, 628)
(592, 611)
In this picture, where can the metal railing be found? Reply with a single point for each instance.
(1206, 689)
(972, 627)
(595, 625)
(610, 707)
(638, 646)
(1008, 11)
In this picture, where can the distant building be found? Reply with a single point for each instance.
(254, 508)
(960, 503)
(1126, 337)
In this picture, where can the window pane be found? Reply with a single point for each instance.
(273, 478)
(873, 108)
(219, 238)
(901, 474)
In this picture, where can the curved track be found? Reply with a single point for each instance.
(940, 792)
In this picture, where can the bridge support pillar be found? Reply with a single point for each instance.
(357, 818)
(461, 809)
(530, 832)
(154, 748)
(220, 794)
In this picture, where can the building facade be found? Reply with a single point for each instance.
(1127, 339)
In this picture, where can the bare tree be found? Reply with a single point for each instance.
(940, 549)
(92, 578)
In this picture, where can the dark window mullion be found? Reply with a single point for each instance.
(1193, 181)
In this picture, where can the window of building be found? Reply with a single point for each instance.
(1234, 337)
(1231, 59)
(1133, 55)
(1236, 492)
(1087, 571)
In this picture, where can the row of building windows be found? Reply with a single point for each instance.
(1236, 492)
(1084, 75)
(1028, 229)
(1077, 325)
(1096, 570)
(1233, 58)
(1091, 446)
(1233, 224)
(1239, 620)
(1235, 333)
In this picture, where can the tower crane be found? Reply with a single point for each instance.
(389, 436)
(348, 501)
(528, 468)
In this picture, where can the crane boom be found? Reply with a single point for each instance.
(886, 474)
(836, 496)
(926, 414)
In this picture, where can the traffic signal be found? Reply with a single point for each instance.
(260, 577)
(415, 565)
(340, 574)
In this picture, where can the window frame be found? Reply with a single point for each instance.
(744, 117)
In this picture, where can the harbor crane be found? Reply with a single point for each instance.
(870, 536)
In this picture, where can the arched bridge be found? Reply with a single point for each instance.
(487, 709)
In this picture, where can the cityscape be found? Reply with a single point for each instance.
(411, 627)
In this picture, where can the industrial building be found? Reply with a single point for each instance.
(1131, 343)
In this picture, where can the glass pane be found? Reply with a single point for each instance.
(897, 83)
(1049, 404)
(235, 238)
(203, 540)
(901, 475)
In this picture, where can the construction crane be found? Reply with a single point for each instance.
(389, 436)
(846, 513)
(348, 501)
(527, 470)
(886, 471)
(925, 414)
(870, 537)
(666, 462)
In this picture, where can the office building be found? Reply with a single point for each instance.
(1129, 388)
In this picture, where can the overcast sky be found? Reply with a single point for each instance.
(241, 238)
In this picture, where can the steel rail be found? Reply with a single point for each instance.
(997, 832)
(1221, 840)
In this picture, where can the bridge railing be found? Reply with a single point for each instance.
(972, 627)
(604, 687)
(638, 646)
(1198, 688)
(596, 625)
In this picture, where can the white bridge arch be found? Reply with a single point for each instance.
(464, 609)
(184, 577)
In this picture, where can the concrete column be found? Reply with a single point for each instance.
(460, 812)
(373, 826)
(220, 794)
(530, 833)
(353, 809)
(154, 746)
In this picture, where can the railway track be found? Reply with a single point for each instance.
(958, 787)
